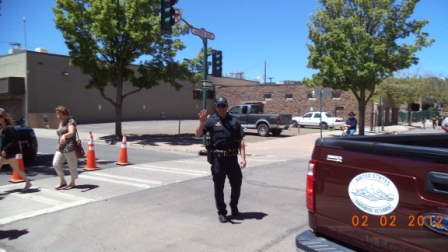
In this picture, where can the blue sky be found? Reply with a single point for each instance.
(247, 32)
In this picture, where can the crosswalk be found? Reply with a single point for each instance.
(102, 184)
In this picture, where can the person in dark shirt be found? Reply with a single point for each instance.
(10, 147)
(434, 120)
(226, 136)
(351, 123)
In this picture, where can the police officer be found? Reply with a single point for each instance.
(226, 136)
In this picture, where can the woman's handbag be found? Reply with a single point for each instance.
(445, 128)
(79, 150)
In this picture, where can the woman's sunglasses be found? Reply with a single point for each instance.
(2, 116)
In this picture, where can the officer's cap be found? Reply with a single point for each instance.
(221, 100)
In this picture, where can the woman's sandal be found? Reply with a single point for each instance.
(70, 187)
(60, 186)
(26, 188)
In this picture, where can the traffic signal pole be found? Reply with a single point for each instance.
(204, 73)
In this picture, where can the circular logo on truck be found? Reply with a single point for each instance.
(373, 193)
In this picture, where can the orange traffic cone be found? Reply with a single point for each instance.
(15, 176)
(91, 159)
(123, 160)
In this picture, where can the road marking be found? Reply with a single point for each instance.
(170, 170)
(43, 211)
(59, 194)
(40, 199)
(189, 161)
(147, 181)
(114, 181)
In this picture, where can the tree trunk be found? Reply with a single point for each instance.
(118, 135)
(118, 110)
(362, 112)
(361, 118)
(409, 115)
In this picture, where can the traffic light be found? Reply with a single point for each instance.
(217, 63)
(167, 15)
(197, 94)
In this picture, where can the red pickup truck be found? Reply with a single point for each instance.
(377, 193)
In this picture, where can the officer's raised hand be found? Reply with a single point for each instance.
(203, 117)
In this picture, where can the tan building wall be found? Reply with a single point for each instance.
(51, 82)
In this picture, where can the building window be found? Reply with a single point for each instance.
(288, 97)
(336, 94)
(267, 96)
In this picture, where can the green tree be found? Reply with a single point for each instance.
(435, 90)
(403, 89)
(355, 45)
(105, 37)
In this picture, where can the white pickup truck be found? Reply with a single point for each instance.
(313, 119)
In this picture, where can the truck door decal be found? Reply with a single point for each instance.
(373, 193)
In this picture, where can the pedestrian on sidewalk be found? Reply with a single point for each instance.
(66, 149)
(226, 139)
(423, 122)
(434, 121)
(10, 147)
(350, 124)
(440, 120)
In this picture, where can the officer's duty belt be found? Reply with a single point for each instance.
(225, 153)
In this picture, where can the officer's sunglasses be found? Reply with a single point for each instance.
(221, 105)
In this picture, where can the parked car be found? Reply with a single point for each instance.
(313, 119)
(252, 116)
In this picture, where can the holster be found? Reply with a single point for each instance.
(210, 156)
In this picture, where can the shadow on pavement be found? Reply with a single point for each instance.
(86, 187)
(156, 139)
(12, 234)
(250, 215)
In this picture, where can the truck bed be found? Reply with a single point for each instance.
(382, 193)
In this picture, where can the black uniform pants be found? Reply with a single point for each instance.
(222, 167)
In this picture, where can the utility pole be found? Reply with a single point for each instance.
(264, 72)
(24, 30)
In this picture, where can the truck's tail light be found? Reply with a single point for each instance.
(278, 119)
(310, 185)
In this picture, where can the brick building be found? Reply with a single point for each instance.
(299, 99)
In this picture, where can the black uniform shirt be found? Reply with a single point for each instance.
(224, 133)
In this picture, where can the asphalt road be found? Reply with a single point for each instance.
(163, 202)
(177, 215)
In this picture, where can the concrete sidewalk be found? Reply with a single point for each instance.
(164, 136)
